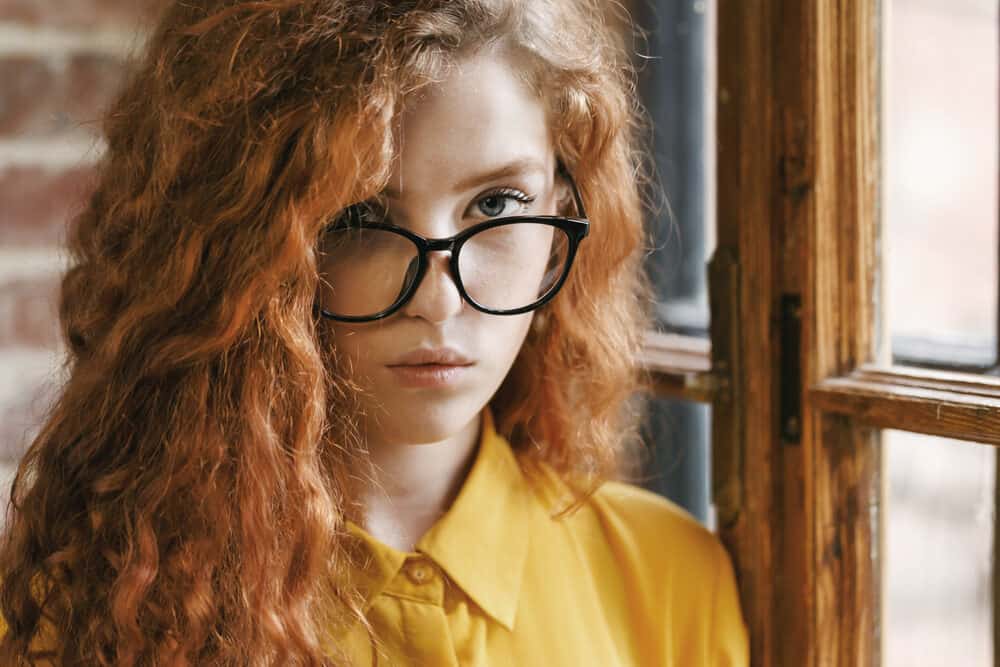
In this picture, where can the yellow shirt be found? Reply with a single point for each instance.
(630, 579)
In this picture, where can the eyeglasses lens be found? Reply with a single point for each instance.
(365, 271)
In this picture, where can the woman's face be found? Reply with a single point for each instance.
(474, 146)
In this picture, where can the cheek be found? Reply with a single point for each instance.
(506, 339)
(353, 347)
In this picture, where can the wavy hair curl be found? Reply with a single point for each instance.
(184, 501)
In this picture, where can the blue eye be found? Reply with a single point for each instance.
(495, 204)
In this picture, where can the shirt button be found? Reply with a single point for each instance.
(419, 573)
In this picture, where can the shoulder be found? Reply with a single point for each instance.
(646, 524)
(643, 507)
(648, 535)
(662, 544)
(652, 558)
(653, 523)
(683, 573)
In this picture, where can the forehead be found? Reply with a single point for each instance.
(479, 116)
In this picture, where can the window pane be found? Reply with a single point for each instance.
(938, 523)
(677, 435)
(941, 179)
(676, 83)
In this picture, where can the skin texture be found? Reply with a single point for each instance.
(478, 119)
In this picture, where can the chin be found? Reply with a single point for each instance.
(424, 420)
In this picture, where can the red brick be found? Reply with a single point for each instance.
(36, 204)
(47, 96)
(81, 13)
(29, 312)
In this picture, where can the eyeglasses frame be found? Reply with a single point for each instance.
(576, 228)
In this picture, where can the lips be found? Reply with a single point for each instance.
(430, 376)
(430, 357)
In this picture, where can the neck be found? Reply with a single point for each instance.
(415, 484)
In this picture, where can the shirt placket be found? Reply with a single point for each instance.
(410, 619)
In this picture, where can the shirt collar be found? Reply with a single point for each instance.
(481, 541)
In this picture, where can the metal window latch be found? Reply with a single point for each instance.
(790, 412)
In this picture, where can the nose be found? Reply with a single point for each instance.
(437, 297)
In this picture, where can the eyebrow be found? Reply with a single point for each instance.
(513, 168)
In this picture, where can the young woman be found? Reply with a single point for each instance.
(352, 321)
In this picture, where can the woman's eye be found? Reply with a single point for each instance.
(493, 205)
(499, 203)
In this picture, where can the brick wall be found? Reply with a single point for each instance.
(60, 63)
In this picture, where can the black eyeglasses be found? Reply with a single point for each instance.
(502, 266)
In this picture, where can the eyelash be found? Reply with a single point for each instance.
(505, 192)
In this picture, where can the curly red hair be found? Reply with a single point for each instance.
(184, 501)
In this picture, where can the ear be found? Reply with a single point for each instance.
(565, 201)
(563, 196)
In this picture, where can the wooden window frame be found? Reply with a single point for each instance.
(798, 372)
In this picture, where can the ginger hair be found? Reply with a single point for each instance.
(184, 501)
